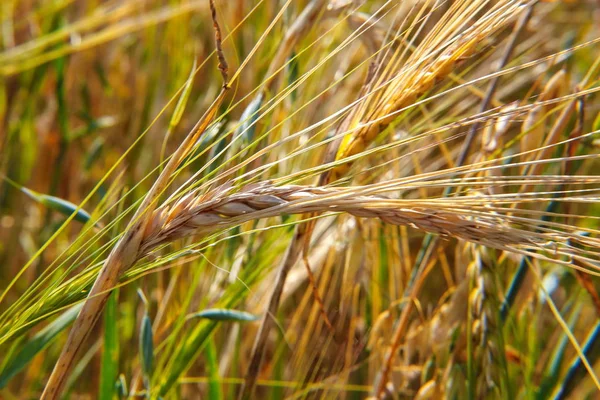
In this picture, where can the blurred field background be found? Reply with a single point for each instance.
(95, 96)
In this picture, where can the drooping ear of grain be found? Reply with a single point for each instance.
(196, 214)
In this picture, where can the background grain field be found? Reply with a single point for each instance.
(299, 199)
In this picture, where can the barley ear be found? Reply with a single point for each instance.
(486, 327)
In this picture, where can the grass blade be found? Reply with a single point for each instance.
(212, 364)
(57, 204)
(221, 314)
(146, 346)
(38, 343)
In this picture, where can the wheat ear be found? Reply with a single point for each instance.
(204, 214)
(486, 332)
(398, 87)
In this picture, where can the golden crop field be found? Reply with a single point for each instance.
(308, 199)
